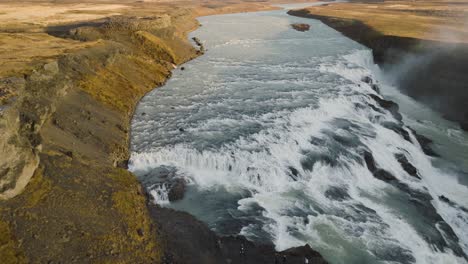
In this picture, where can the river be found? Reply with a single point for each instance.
(270, 128)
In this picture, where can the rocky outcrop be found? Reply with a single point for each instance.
(301, 27)
(20, 125)
(391, 106)
(199, 44)
(429, 71)
(64, 141)
(433, 228)
(188, 240)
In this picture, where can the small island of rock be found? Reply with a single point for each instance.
(300, 27)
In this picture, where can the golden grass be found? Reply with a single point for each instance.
(432, 20)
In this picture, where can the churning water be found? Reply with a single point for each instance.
(269, 128)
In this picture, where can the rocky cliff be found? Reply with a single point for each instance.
(66, 136)
(430, 71)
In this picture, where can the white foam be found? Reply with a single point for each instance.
(297, 208)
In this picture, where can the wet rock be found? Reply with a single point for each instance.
(301, 27)
(451, 203)
(300, 254)
(376, 88)
(378, 173)
(237, 249)
(177, 190)
(391, 106)
(425, 143)
(336, 193)
(407, 166)
(384, 175)
(397, 128)
(188, 240)
(367, 79)
(294, 173)
(444, 199)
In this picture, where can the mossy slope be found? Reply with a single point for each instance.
(81, 204)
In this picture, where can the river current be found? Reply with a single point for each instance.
(268, 129)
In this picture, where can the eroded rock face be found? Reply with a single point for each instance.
(188, 240)
(391, 106)
(20, 125)
(71, 121)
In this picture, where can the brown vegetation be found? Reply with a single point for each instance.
(439, 20)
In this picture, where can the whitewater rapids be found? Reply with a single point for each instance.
(269, 128)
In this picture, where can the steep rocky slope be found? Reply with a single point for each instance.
(67, 131)
(429, 68)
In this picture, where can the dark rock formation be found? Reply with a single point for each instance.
(199, 44)
(397, 128)
(376, 88)
(434, 71)
(301, 27)
(391, 106)
(453, 204)
(425, 143)
(433, 228)
(188, 240)
(407, 166)
(367, 79)
(378, 173)
(176, 189)
(338, 194)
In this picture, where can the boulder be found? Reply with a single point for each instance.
(177, 189)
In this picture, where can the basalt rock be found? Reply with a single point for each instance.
(391, 106)
(376, 88)
(434, 229)
(367, 79)
(453, 204)
(176, 189)
(407, 166)
(425, 143)
(378, 173)
(187, 240)
(397, 128)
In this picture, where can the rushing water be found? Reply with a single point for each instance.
(269, 128)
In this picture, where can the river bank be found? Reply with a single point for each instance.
(422, 63)
(67, 100)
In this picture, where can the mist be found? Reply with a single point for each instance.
(436, 73)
